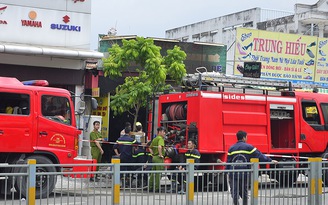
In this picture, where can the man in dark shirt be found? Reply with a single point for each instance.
(192, 153)
(241, 153)
(140, 155)
(123, 149)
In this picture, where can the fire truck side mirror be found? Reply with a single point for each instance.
(94, 104)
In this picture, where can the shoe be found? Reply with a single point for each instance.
(240, 69)
(322, 59)
(310, 62)
(308, 77)
(241, 49)
(312, 44)
(170, 191)
(94, 180)
(322, 53)
(307, 71)
(248, 55)
(181, 192)
(309, 52)
(249, 45)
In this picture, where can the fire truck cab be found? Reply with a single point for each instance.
(38, 123)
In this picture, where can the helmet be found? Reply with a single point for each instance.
(138, 124)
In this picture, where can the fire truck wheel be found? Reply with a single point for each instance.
(286, 177)
(44, 184)
(325, 171)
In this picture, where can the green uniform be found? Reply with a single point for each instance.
(156, 159)
(95, 151)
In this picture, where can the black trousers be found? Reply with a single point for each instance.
(239, 187)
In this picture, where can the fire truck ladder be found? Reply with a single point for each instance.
(207, 79)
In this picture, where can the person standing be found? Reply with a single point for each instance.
(95, 138)
(241, 153)
(157, 150)
(192, 153)
(141, 156)
(139, 134)
(123, 148)
(127, 124)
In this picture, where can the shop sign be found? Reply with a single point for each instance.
(32, 23)
(65, 27)
(2, 10)
(96, 92)
(78, 0)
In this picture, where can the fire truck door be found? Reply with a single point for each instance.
(312, 126)
(54, 124)
(16, 121)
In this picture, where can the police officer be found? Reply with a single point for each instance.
(157, 150)
(241, 153)
(96, 149)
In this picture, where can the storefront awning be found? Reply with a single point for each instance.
(22, 49)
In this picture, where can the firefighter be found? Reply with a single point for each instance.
(96, 150)
(127, 124)
(143, 157)
(192, 153)
(123, 148)
(157, 150)
(241, 153)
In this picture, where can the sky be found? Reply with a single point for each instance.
(151, 18)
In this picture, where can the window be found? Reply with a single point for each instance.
(310, 112)
(14, 103)
(324, 108)
(56, 108)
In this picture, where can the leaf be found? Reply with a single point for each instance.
(152, 67)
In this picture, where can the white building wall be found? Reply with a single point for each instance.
(220, 30)
(210, 30)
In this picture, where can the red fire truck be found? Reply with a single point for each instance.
(37, 122)
(277, 122)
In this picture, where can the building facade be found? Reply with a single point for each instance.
(44, 39)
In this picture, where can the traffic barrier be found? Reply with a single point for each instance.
(283, 183)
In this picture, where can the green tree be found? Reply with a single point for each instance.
(153, 69)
